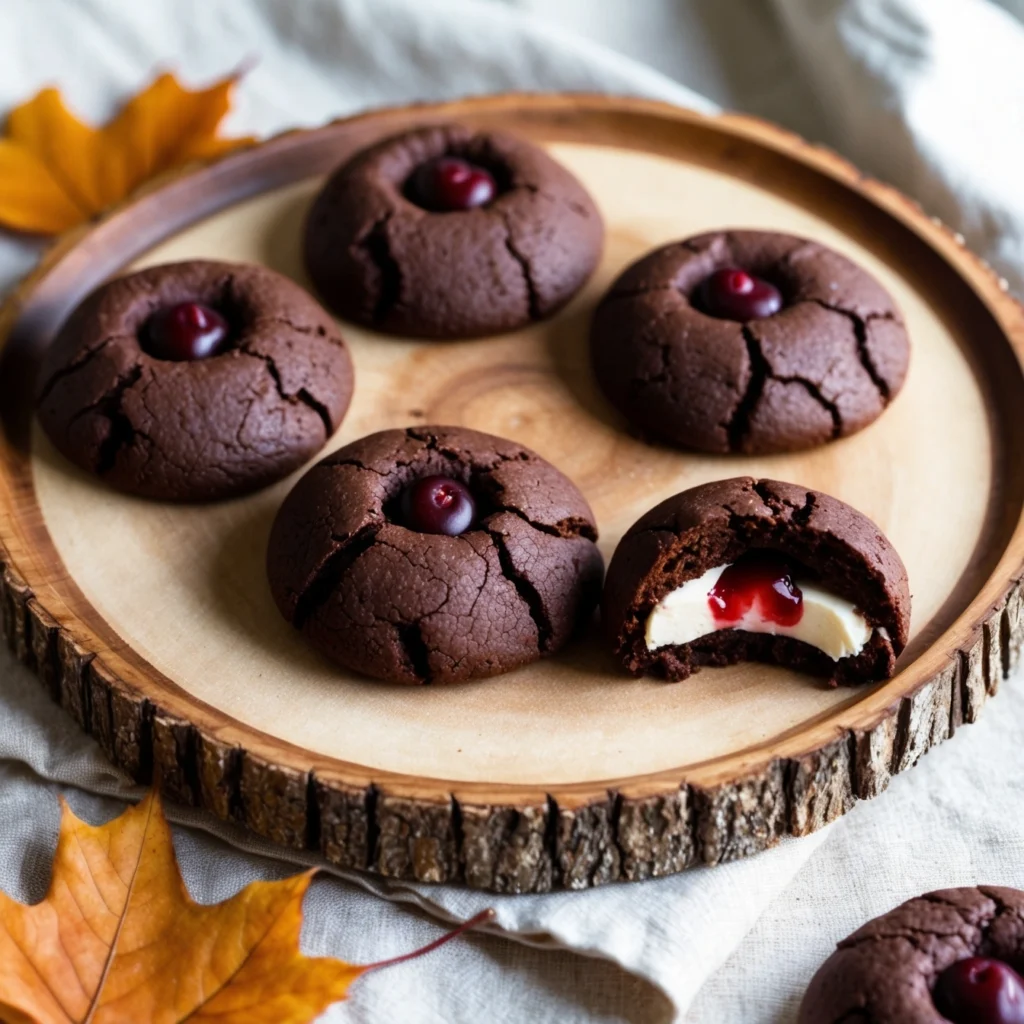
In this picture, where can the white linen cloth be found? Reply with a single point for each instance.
(882, 81)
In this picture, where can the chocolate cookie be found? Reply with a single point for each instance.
(434, 554)
(748, 569)
(443, 233)
(195, 381)
(748, 341)
(919, 964)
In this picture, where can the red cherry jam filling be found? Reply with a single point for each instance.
(449, 183)
(980, 991)
(733, 294)
(762, 578)
(438, 504)
(186, 331)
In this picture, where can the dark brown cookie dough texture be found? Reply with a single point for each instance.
(204, 429)
(715, 523)
(884, 972)
(823, 367)
(411, 607)
(379, 259)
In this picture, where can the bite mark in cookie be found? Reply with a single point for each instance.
(758, 593)
(744, 569)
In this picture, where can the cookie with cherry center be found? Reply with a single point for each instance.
(756, 570)
(195, 381)
(434, 555)
(750, 342)
(949, 956)
(443, 232)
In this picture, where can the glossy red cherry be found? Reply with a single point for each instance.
(188, 330)
(438, 504)
(757, 577)
(980, 991)
(733, 294)
(451, 183)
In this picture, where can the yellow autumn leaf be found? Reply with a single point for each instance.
(118, 939)
(56, 172)
(31, 198)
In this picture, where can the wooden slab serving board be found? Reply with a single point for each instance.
(153, 625)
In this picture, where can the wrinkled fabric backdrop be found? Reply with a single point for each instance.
(926, 94)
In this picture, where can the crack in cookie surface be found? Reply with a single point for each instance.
(526, 590)
(377, 247)
(738, 427)
(533, 310)
(301, 397)
(860, 328)
(79, 362)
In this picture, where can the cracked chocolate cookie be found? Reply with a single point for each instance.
(745, 569)
(195, 381)
(443, 233)
(947, 956)
(748, 341)
(433, 555)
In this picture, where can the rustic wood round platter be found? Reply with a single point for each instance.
(153, 626)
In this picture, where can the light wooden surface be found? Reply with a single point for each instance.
(564, 772)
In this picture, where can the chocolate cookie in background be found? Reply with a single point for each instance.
(195, 381)
(446, 233)
(433, 555)
(946, 956)
(748, 341)
(760, 570)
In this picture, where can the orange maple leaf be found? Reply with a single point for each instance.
(118, 938)
(56, 172)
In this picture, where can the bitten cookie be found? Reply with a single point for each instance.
(195, 381)
(748, 341)
(443, 233)
(947, 956)
(747, 569)
(433, 555)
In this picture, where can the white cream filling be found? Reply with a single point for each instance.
(828, 622)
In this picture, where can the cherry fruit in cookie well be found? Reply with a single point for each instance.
(438, 504)
(733, 294)
(980, 991)
(450, 183)
(760, 578)
(188, 330)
